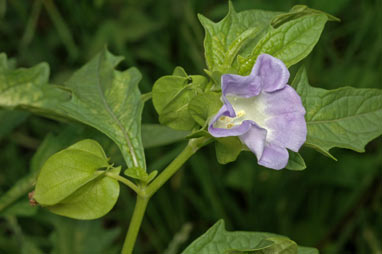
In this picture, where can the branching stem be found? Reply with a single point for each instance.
(145, 192)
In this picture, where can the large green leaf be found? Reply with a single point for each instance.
(235, 34)
(96, 95)
(219, 241)
(346, 117)
(109, 101)
(291, 42)
(71, 182)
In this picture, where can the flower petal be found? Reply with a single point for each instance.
(234, 131)
(243, 86)
(283, 101)
(274, 157)
(288, 131)
(272, 71)
(254, 139)
(286, 123)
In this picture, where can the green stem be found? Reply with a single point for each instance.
(135, 224)
(144, 193)
(125, 181)
(193, 146)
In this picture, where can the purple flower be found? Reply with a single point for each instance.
(263, 111)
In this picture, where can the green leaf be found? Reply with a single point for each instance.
(68, 170)
(109, 101)
(235, 34)
(28, 88)
(154, 135)
(96, 95)
(228, 149)
(179, 71)
(50, 145)
(204, 106)
(346, 117)
(295, 162)
(219, 241)
(291, 42)
(92, 200)
(296, 12)
(271, 245)
(71, 183)
(171, 97)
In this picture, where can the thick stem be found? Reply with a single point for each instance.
(135, 224)
(193, 146)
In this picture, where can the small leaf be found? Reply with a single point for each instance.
(233, 35)
(151, 176)
(71, 184)
(140, 174)
(346, 117)
(171, 96)
(291, 42)
(296, 162)
(136, 173)
(219, 241)
(228, 149)
(179, 71)
(204, 106)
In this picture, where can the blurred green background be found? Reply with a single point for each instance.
(334, 206)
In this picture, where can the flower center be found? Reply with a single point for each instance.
(252, 108)
(227, 122)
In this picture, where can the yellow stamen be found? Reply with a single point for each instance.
(240, 113)
(229, 126)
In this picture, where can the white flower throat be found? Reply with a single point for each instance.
(252, 108)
